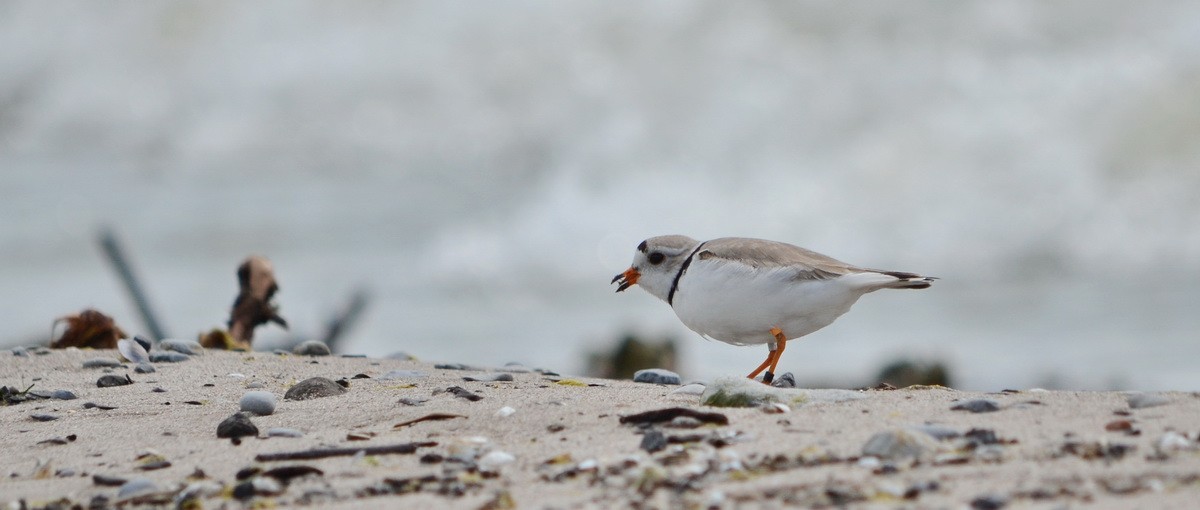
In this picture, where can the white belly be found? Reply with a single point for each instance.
(739, 305)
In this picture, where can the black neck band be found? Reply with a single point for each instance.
(682, 269)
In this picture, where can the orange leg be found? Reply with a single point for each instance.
(772, 358)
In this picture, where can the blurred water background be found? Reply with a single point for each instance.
(485, 168)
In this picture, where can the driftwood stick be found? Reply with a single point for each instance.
(322, 453)
(112, 249)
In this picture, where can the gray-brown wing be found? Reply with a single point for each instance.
(763, 254)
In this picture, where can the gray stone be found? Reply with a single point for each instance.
(189, 347)
(168, 357)
(1144, 400)
(939, 432)
(20, 352)
(899, 444)
(489, 378)
(787, 380)
(656, 376)
(44, 416)
(978, 405)
(235, 426)
(261, 403)
(283, 432)
(653, 441)
(254, 385)
(144, 368)
(63, 395)
(402, 374)
(311, 348)
(110, 380)
(101, 363)
(136, 487)
(316, 387)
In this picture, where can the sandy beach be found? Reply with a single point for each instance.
(433, 438)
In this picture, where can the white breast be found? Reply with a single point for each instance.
(739, 304)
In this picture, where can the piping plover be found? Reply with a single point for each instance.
(753, 291)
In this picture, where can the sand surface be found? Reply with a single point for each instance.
(560, 443)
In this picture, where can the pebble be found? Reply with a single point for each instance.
(189, 347)
(20, 352)
(463, 393)
(656, 376)
(311, 348)
(1171, 442)
(654, 440)
(144, 368)
(413, 401)
(979, 405)
(939, 432)
(505, 412)
(63, 395)
(696, 389)
(787, 380)
(110, 380)
(899, 444)
(254, 385)
(489, 378)
(132, 351)
(402, 374)
(1143, 400)
(44, 416)
(101, 363)
(235, 426)
(776, 408)
(143, 341)
(989, 502)
(315, 387)
(494, 460)
(283, 432)
(261, 403)
(136, 487)
(453, 366)
(168, 357)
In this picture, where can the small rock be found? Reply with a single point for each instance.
(20, 352)
(283, 432)
(44, 416)
(255, 385)
(939, 432)
(311, 348)
(656, 376)
(979, 405)
(453, 366)
(989, 502)
(410, 401)
(463, 393)
(787, 380)
(489, 378)
(142, 341)
(899, 444)
(265, 486)
(775, 408)
(505, 412)
(144, 368)
(1144, 400)
(111, 380)
(696, 389)
(63, 395)
(401, 374)
(132, 351)
(108, 480)
(168, 357)
(684, 422)
(1170, 443)
(136, 487)
(315, 387)
(101, 363)
(261, 403)
(235, 426)
(654, 440)
(189, 347)
(494, 460)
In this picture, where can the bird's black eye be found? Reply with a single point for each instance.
(656, 258)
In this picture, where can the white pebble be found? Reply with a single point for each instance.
(492, 462)
(505, 412)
